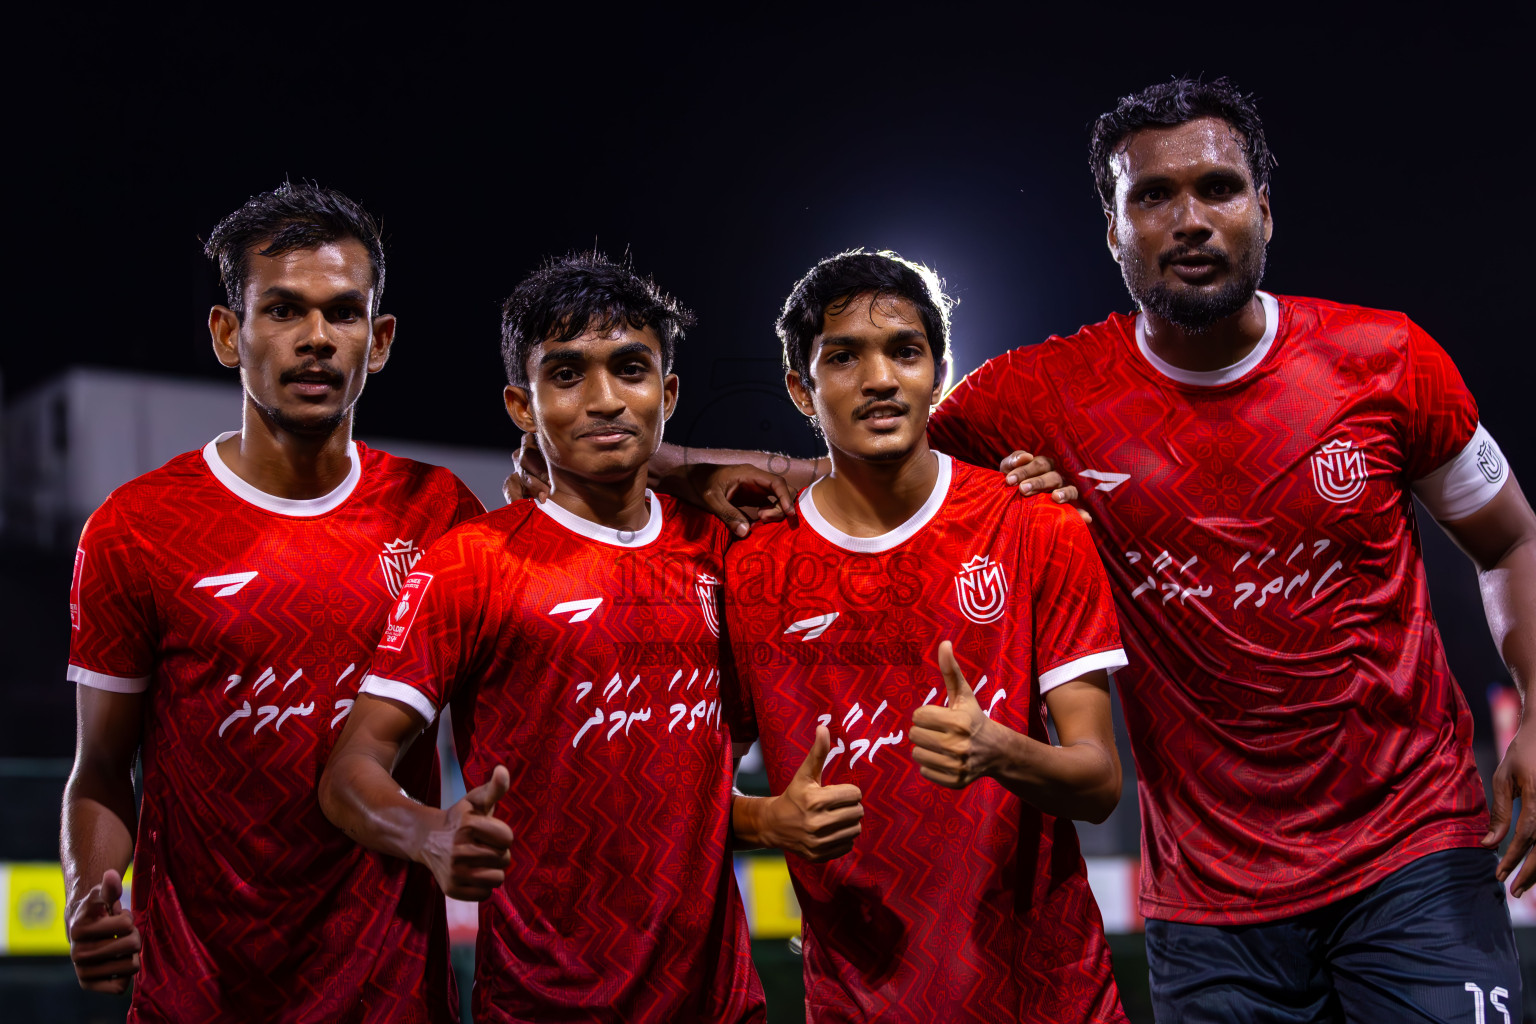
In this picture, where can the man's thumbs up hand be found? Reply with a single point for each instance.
(952, 745)
(815, 821)
(103, 942)
(469, 852)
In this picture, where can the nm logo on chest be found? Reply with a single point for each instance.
(1338, 470)
(981, 589)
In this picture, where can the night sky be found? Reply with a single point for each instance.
(729, 154)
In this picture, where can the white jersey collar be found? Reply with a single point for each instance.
(873, 545)
(605, 534)
(271, 502)
(1227, 374)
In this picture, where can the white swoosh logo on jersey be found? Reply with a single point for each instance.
(816, 625)
(234, 581)
(583, 608)
(1108, 481)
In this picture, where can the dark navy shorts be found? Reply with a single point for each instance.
(1430, 942)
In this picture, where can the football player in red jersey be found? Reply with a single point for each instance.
(965, 905)
(577, 640)
(1316, 845)
(224, 611)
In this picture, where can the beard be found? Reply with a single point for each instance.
(1196, 309)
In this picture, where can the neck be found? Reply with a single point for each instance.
(866, 499)
(616, 504)
(284, 464)
(1225, 342)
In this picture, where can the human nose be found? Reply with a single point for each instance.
(602, 393)
(316, 335)
(1191, 218)
(880, 376)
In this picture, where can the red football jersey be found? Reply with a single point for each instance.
(586, 660)
(968, 905)
(249, 621)
(1297, 732)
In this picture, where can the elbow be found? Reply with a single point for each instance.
(330, 795)
(1101, 804)
(1104, 797)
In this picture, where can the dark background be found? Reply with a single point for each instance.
(727, 154)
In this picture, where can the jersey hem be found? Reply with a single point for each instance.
(1260, 911)
(1109, 660)
(102, 681)
(404, 693)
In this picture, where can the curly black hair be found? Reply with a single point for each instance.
(832, 284)
(286, 219)
(581, 292)
(1172, 103)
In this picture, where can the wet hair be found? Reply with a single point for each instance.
(831, 285)
(1167, 105)
(581, 292)
(289, 218)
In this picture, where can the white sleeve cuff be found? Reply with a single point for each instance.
(1108, 660)
(405, 693)
(102, 681)
(1467, 482)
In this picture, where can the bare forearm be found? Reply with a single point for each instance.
(749, 822)
(1080, 780)
(98, 821)
(364, 801)
(1509, 600)
(669, 466)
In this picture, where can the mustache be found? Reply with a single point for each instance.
(866, 409)
(1214, 254)
(332, 377)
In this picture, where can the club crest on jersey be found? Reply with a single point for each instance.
(981, 588)
(1338, 470)
(397, 561)
(708, 589)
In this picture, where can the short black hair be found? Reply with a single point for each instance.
(289, 218)
(581, 292)
(832, 284)
(1169, 104)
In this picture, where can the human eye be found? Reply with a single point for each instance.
(280, 311)
(346, 314)
(840, 357)
(564, 375)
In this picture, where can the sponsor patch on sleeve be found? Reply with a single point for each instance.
(403, 613)
(74, 590)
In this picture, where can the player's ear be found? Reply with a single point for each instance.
(799, 394)
(519, 402)
(940, 380)
(1109, 235)
(224, 328)
(668, 395)
(379, 344)
(1269, 221)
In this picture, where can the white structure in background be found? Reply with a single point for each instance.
(68, 443)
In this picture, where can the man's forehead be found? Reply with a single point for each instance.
(870, 312)
(343, 263)
(597, 341)
(1203, 141)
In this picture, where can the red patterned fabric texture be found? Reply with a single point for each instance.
(1298, 734)
(953, 905)
(250, 631)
